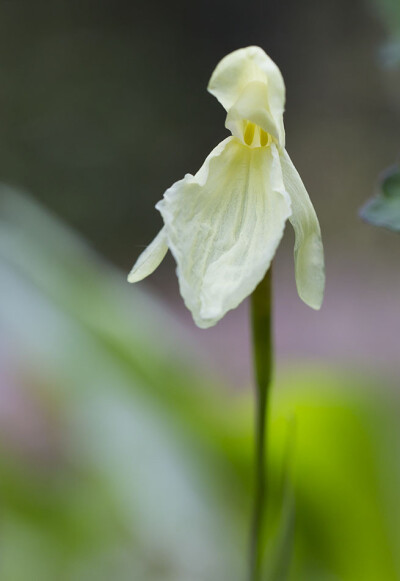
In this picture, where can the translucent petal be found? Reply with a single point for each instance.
(150, 258)
(224, 225)
(308, 249)
(242, 67)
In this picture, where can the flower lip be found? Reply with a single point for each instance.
(224, 225)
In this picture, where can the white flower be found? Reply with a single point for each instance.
(224, 224)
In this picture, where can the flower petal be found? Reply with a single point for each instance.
(150, 258)
(308, 249)
(245, 66)
(252, 106)
(224, 225)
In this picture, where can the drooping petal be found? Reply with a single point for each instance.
(150, 258)
(224, 225)
(242, 67)
(308, 249)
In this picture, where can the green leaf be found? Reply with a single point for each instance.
(384, 208)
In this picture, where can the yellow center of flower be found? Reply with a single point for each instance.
(254, 136)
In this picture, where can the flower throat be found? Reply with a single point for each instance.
(254, 136)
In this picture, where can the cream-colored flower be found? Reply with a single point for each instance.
(224, 224)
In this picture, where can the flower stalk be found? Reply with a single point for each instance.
(261, 321)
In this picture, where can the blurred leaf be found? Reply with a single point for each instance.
(135, 411)
(390, 11)
(281, 553)
(389, 53)
(338, 474)
(148, 477)
(284, 544)
(384, 208)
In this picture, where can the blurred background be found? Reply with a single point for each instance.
(125, 431)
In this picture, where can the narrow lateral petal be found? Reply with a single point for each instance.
(308, 249)
(242, 67)
(150, 258)
(224, 225)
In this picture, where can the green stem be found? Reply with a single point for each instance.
(261, 315)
